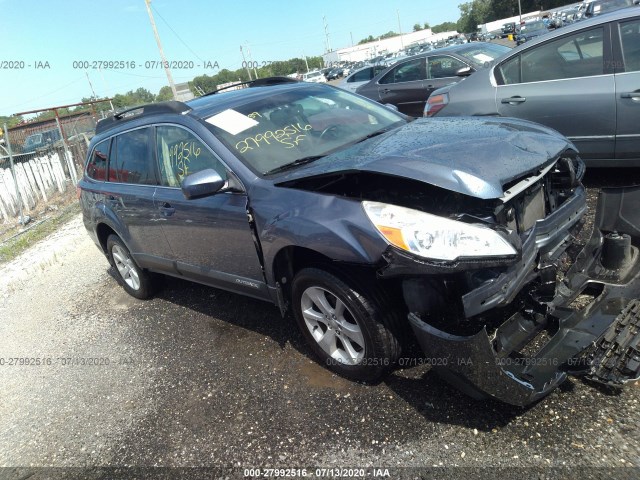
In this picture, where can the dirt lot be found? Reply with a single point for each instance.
(200, 377)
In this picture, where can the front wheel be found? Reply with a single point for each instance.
(351, 331)
(136, 281)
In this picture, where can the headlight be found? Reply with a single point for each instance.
(435, 237)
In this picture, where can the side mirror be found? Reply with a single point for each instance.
(202, 184)
(464, 72)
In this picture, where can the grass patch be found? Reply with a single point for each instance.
(10, 249)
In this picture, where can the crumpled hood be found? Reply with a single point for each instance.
(475, 156)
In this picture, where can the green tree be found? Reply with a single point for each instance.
(474, 13)
(417, 27)
(164, 94)
(11, 121)
(426, 25)
(367, 40)
(445, 27)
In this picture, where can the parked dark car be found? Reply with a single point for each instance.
(531, 30)
(334, 73)
(408, 84)
(582, 80)
(508, 29)
(373, 230)
(40, 140)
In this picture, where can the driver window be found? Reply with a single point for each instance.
(443, 66)
(181, 153)
(410, 71)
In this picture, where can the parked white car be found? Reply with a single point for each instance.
(314, 77)
(360, 77)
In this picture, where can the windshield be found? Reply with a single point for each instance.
(483, 54)
(299, 124)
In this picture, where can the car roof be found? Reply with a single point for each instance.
(208, 105)
(200, 108)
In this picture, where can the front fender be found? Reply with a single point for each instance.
(332, 226)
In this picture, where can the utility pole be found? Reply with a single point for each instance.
(305, 61)
(90, 85)
(164, 60)
(400, 30)
(244, 60)
(326, 34)
(251, 60)
(520, 10)
(107, 89)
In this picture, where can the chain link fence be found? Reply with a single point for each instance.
(47, 158)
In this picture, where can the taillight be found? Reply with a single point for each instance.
(435, 103)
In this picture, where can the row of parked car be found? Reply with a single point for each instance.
(583, 80)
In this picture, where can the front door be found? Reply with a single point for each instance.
(210, 238)
(628, 93)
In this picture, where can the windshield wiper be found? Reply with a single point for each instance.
(374, 134)
(296, 163)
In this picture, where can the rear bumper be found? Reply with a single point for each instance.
(579, 339)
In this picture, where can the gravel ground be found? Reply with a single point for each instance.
(201, 377)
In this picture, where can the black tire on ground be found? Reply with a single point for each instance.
(354, 332)
(137, 282)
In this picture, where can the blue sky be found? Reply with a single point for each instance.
(61, 32)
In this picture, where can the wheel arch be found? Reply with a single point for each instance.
(291, 259)
(102, 232)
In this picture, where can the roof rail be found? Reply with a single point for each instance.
(258, 82)
(141, 110)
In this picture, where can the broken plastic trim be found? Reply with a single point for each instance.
(478, 366)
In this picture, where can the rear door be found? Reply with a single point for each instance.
(128, 197)
(628, 91)
(566, 83)
(210, 238)
(403, 86)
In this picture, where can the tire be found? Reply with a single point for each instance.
(137, 282)
(351, 331)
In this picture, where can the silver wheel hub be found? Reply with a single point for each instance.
(125, 266)
(332, 325)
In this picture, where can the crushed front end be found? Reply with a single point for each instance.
(514, 329)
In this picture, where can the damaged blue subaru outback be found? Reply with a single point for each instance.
(377, 232)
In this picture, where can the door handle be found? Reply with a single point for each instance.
(631, 95)
(385, 90)
(167, 210)
(514, 100)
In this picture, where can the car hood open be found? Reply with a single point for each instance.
(475, 156)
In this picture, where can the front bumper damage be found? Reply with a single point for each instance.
(590, 321)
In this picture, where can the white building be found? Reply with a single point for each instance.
(366, 51)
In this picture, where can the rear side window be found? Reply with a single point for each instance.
(630, 36)
(181, 153)
(406, 72)
(362, 76)
(131, 159)
(578, 55)
(97, 165)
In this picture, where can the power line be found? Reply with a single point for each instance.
(176, 34)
